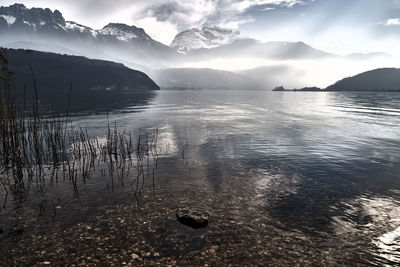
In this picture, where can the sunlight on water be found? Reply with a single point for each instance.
(275, 184)
(167, 142)
(389, 245)
(309, 176)
(376, 219)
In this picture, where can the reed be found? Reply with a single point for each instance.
(37, 149)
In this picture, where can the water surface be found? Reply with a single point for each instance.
(289, 177)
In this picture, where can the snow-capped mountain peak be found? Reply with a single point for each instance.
(124, 32)
(207, 37)
(18, 18)
(71, 26)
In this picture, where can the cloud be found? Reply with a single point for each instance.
(234, 24)
(160, 18)
(393, 22)
(197, 13)
(153, 26)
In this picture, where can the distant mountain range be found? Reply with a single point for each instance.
(18, 19)
(254, 49)
(212, 42)
(47, 30)
(115, 41)
(21, 27)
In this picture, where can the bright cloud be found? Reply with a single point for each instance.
(393, 22)
(162, 19)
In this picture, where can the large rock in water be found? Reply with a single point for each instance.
(193, 218)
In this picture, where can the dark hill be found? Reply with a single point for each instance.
(387, 79)
(96, 82)
(54, 72)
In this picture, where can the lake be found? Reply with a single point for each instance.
(287, 177)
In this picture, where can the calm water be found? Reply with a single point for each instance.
(309, 176)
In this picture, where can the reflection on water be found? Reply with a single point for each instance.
(376, 219)
(389, 245)
(310, 178)
(92, 102)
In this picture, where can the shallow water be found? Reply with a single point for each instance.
(288, 178)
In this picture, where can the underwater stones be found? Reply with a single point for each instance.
(192, 218)
(135, 256)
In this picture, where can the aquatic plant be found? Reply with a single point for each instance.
(36, 149)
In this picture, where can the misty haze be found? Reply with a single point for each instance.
(200, 133)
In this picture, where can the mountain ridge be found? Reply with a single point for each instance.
(115, 41)
(382, 79)
(213, 47)
(43, 21)
(206, 37)
(84, 73)
(195, 43)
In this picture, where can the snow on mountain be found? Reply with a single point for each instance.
(10, 19)
(207, 37)
(75, 27)
(124, 32)
(18, 18)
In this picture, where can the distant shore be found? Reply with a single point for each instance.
(317, 89)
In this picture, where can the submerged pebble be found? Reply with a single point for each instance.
(135, 256)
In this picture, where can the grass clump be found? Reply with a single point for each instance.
(35, 149)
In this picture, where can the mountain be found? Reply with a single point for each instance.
(38, 28)
(114, 41)
(207, 37)
(192, 78)
(385, 79)
(254, 49)
(215, 42)
(19, 18)
(46, 22)
(123, 32)
(47, 30)
(94, 81)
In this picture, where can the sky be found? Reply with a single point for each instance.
(337, 26)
